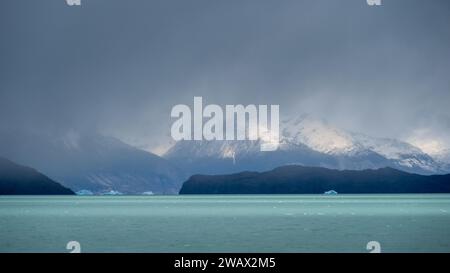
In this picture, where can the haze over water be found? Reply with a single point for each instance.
(235, 223)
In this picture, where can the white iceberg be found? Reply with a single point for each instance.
(112, 192)
(331, 192)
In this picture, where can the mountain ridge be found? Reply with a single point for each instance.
(93, 162)
(296, 179)
(304, 141)
(16, 179)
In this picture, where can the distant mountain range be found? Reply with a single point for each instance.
(304, 141)
(93, 162)
(316, 180)
(20, 180)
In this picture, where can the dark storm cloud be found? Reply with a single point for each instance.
(118, 66)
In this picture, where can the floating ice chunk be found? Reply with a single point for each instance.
(112, 192)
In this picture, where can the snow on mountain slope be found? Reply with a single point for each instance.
(307, 141)
(322, 137)
(317, 135)
(403, 153)
(444, 155)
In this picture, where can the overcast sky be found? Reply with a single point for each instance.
(118, 66)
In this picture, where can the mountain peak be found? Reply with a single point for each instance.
(308, 141)
(317, 134)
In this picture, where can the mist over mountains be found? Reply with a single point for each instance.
(304, 141)
(93, 162)
(63, 72)
(103, 164)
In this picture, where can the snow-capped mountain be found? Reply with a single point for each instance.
(304, 141)
(103, 164)
(322, 137)
(92, 162)
(317, 135)
(442, 156)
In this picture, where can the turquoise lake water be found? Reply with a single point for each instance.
(237, 223)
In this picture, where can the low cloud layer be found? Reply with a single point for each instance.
(117, 67)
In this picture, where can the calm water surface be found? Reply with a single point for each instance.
(237, 223)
